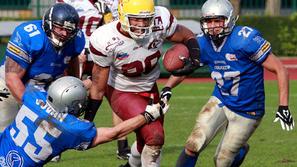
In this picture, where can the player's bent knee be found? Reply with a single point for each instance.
(196, 141)
(153, 134)
(157, 139)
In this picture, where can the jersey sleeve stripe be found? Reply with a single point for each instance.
(262, 51)
(18, 52)
(170, 21)
(95, 51)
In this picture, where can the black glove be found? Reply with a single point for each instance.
(190, 65)
(101, 6)
(285, 117)
(4, 93)
(165, 96)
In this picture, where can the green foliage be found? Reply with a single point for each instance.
(288, 37)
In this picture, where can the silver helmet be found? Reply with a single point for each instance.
(218, 9)
(67, 95)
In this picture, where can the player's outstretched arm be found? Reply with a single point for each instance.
(151, 113)
(273, 64)
(13, 78)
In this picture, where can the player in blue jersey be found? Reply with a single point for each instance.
(37, 53)
(236, 56)
(47, 125)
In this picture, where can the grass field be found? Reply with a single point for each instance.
(270, 146)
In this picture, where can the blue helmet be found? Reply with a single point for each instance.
(60, 23)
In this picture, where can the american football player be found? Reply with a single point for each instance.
(94, 13)
(126, 53)
(38, 53)
(236, 56)
(47, 124)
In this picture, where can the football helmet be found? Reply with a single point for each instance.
(218, 9)
(67, 95)
(60, 23)
(137, 9)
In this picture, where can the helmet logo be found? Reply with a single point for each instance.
(158, 24)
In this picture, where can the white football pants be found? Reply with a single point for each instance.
(213, 118)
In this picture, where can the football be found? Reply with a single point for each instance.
(171, 58)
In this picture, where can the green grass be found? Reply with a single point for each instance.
(269, 146)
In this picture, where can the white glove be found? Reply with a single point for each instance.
(154, 111)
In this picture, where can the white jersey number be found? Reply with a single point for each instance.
(227, 76)
(245, 32)
(32, 29)
(20, 135)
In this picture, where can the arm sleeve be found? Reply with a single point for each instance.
(99, 54)
(165, 21)
(18, 48)
(79, 43)
(257, 48)
(85, 133)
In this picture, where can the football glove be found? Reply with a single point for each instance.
(190, 65)
(101, 6)
(154, 111)
(4, 93)
(285, 117)
(165, 96)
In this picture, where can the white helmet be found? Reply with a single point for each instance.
(218, 9)
(67, 95)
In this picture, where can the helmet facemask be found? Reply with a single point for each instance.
(60, 23)
(137, 31)
(60, 34)
(215, 10)
(216, 31)
(137, 18)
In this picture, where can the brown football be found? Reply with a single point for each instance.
(171, 58)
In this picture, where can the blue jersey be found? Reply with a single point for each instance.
(39, 133)
(31, 48)
(236, 68)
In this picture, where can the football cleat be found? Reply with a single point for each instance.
(124, 154)
(56, 158)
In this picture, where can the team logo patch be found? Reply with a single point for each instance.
(12, 159)
(231, 57)
(18, 39)
(122, 56)
(158, 24)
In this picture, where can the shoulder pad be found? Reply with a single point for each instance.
(243, 36)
